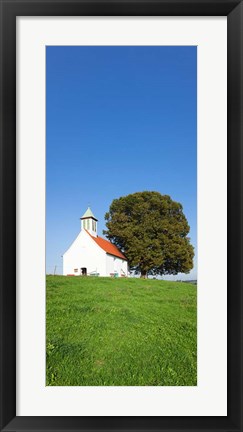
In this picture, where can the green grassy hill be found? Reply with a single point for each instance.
(120, 332)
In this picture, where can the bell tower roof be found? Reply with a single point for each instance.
(88, 214)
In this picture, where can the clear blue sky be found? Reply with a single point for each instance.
(118, 120)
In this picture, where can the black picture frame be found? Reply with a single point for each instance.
(10, 9)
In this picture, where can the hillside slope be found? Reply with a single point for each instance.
(120, 332)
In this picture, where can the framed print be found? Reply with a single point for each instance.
(133, 111)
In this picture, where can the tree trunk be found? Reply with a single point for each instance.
(143, 274)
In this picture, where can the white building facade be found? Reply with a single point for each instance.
(90, 254)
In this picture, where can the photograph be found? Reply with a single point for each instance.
(121, 209)
(121, 215)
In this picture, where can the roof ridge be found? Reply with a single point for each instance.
(112, 249)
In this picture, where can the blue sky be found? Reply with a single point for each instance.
(118, 120)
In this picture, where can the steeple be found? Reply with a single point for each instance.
(89, 222)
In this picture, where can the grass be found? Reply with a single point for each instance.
(120, 332)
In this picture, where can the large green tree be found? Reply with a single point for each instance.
(152, 231)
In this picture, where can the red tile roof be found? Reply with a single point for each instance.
(107, 246)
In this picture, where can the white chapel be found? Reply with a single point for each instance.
(90, 254)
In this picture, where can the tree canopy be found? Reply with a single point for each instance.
(152, 232)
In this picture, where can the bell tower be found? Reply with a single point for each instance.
(89, 222)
